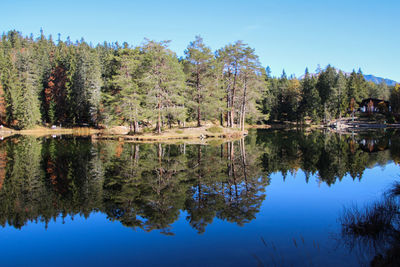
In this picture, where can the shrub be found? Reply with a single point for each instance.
(215, 129)
(147, 130)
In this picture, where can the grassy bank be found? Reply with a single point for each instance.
(121, 133)
(192, 133)
(44, 131)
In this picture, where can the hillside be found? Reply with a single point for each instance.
(378, 80)
(368, 78)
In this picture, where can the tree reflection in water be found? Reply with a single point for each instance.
(148, 186)
(145, 186)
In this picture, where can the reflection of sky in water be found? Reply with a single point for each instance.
(293, 211)
(296, 225)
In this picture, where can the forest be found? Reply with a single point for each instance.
(47, 82)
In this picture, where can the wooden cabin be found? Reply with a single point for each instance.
(374, 105)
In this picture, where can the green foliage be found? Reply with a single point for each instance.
(148, 186)
(242, 80)
(164, 83)
(215, 129)
(142, 186)
(395, 99)
(148, 86)
(24, 94)
(203, 94)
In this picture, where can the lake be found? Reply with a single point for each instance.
(273, 199)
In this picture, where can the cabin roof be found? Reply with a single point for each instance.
(374, 100)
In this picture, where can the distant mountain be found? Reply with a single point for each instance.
(368, 78)
(378, 80)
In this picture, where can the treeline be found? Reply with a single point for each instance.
(75, 83)
(326, 95)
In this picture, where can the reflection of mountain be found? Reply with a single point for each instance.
(149, 185)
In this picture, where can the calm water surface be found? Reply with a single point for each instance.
(274, 198)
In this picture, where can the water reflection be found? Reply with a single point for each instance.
(145, 186)
(148, 186)
(373, 232)
(330, 156)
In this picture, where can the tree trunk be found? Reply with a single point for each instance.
(136, 156)
(243, 152)
(198, 115)
(159, 119)
(243, 111)
(232, 111)
(198, 100)
(231, 117)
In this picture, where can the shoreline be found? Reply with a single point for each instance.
(199, 134)
(196, 134)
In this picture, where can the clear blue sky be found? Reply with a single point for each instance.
(286, 34)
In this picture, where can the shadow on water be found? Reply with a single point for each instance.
(148, 186)
(373, 232)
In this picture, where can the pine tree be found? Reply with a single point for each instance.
(24, 93)
(239, 65)
(283, 85)
(164, 83)
(340, 94)
(252, 87)
(357, 87)
(395, 99)
(200, 79)
(310, 102)
(326, 85)
(128, 101)
(85, 86)
(230, 58)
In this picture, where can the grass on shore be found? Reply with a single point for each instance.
(206, 131)
(122, 133)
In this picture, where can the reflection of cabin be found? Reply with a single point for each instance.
(374, 145)
(374, 105)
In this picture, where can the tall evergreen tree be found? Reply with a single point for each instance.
(24, 94)
(239, 65)
(128, 102)
(199, 67)
(86, 85)
(310, 100)
(326, 85)
(164, 82)
(340, 94)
